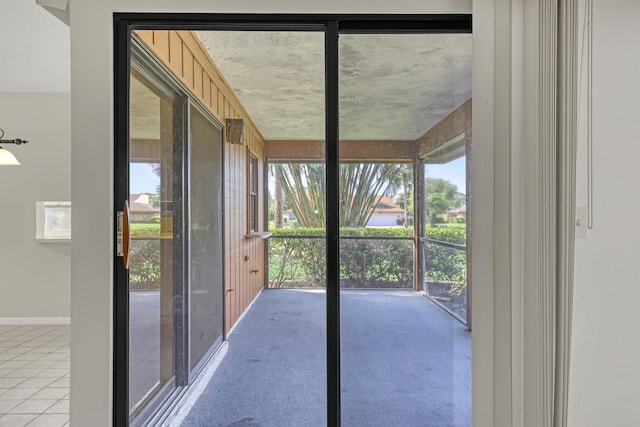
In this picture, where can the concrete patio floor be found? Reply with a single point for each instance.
(404, 362)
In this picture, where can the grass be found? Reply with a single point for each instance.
(448, 225)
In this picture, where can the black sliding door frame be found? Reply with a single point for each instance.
(121, 82)
(332, 25)
(332, 215)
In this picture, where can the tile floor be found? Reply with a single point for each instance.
(34, 375)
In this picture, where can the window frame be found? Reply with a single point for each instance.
(253, 181)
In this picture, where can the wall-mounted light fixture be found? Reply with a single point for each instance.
(235, 131)
(6, 157)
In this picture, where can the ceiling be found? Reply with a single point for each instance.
(34, 49)
(144, 111)
(392, 87)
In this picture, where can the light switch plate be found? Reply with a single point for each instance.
(582, 228)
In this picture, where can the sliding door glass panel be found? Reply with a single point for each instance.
(152, 262)
(404, 360)
(274, 372)
(205, 237)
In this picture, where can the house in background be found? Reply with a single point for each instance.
(460, 212)
(289, 218)
(141, 208)
(386, 213)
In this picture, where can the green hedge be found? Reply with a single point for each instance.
(145, 230)
(300, 262)
(376, 263)
(450, 235)
(144, 264)
(445, 264)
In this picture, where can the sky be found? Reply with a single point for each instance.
(454, 172)
(143, 179)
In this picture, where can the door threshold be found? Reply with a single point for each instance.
(180, 406)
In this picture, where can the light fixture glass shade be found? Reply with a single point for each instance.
(7, 159)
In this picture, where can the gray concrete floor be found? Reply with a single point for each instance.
(405, 362)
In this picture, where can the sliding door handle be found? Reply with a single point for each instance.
(124, 235)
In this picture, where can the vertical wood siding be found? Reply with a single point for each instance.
(184, 57)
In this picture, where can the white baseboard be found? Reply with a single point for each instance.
(35, 320)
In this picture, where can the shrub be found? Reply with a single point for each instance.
(443, 263)
(450, 235)
(376, 263)
(301, 262)
(144, 271)
(296, 261)
(145, 230)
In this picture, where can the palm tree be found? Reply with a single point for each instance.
(403, 181)
(304, 187)
(277, 194)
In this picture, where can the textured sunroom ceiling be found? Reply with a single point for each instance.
(392, 86)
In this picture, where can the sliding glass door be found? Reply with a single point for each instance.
(274, 373)
(404, 361)
(338, 116)
(175, 276)
(155, 254)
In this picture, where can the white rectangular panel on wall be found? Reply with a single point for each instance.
(53, 221)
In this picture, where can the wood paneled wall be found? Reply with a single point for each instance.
(185, 57)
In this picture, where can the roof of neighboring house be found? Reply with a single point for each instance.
(461, 210)
(140, 204)
(385, 204)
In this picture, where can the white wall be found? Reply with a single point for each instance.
(34, 277)
(605, 368)
(383, 220)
